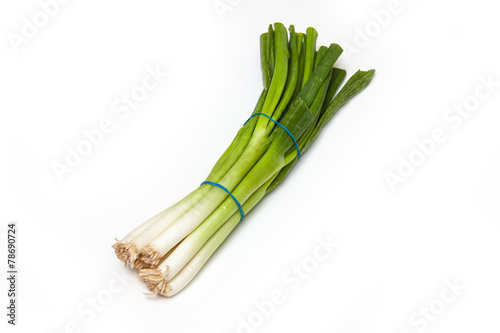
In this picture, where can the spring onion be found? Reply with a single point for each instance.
(301, 93)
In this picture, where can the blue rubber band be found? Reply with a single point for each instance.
(232, 196)
(283, 127)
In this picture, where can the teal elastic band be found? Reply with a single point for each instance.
(283, 127)
(232, 196)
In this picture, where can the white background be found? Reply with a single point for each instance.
(397, 248)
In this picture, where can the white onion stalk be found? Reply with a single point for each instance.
(128, 249)
(186, 260)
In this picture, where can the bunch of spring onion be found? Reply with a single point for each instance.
(300, 93)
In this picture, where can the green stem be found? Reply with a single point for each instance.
(311, 37)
